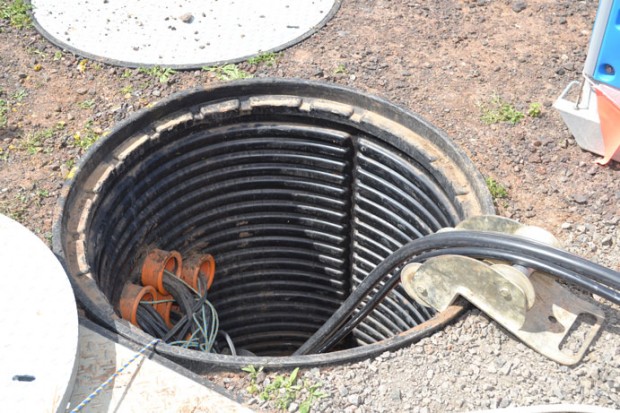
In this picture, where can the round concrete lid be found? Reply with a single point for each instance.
(181, 33)
(39, 324)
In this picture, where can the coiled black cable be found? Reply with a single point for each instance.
(518, 250)
(186, 319)
(184, 299)
(150, 321)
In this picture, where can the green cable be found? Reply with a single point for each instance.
(170, 300)
(203, 326)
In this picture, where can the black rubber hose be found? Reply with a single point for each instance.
(149, 323)
(144, 323)
(477, 244)
(183, 296)
(470, 252)
(147, 314)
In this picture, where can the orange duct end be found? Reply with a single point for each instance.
(154, 265)
(131, 296)
(199, 267)
(608, 100)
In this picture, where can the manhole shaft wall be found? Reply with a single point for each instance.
(331, 182)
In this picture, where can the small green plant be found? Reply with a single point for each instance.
(20, 95)
(69, 168)
(82, 66)
(269, 59)
(87, 104)
(227, 72)
(57, 55)
(33, 50)
(4, 110)
(253, 374)
(126, 89)
(314, 393)
(500, 111)
(17, 12)
(160, 73)
(41, 195)
(282, 390)
(15, 209)
(341, 69)
(86, 138)
(497, 190)
(35, 143)
(127, 73)
(534, 110)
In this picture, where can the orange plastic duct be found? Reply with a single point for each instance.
(608, 100)
(199, 267)
(131, 296)
(154, 265)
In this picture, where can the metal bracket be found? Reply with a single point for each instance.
(532, 306)
(440, 281)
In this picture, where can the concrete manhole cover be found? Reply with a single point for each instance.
(181, 33)
(40, 323)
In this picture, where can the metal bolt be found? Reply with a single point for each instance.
(505, 294)
(609, 69)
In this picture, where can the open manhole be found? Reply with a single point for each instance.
(298, 189)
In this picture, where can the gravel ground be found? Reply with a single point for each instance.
(443, 59)
(471, 365)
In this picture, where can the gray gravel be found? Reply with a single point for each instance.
(472, 365)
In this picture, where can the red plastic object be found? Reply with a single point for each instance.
(154, 265)
(131, 296)
(199, 267)
(608, 102)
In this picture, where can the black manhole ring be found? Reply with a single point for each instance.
(331, 181)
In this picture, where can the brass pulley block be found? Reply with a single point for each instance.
(529, 304)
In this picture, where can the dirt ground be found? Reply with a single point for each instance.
(447, 60)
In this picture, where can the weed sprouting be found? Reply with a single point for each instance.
(282, 390)
(227, 72)
(500, 111)
(497, 190)
(534, 110)
(163, 74)
(17, 12)
(269, 59)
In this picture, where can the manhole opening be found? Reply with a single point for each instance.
(297, 189)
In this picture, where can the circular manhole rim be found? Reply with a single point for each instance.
(101, 310)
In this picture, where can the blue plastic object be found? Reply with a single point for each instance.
(608, 64)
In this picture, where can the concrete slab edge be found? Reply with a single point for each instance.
(159, 359)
